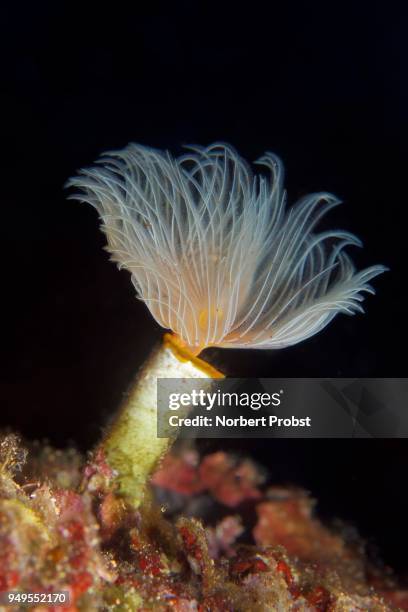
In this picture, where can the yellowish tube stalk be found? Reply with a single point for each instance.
(131, 446)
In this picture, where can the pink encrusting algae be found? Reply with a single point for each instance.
(75, 533)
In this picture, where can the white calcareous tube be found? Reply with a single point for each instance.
(131, 446)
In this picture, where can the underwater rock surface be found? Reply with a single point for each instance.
(213, 536)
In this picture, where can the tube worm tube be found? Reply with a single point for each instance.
(131, 446)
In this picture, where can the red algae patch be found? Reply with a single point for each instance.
(63, 526)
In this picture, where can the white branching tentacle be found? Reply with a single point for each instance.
(213, 252)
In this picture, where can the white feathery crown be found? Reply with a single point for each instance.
(213, 251)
